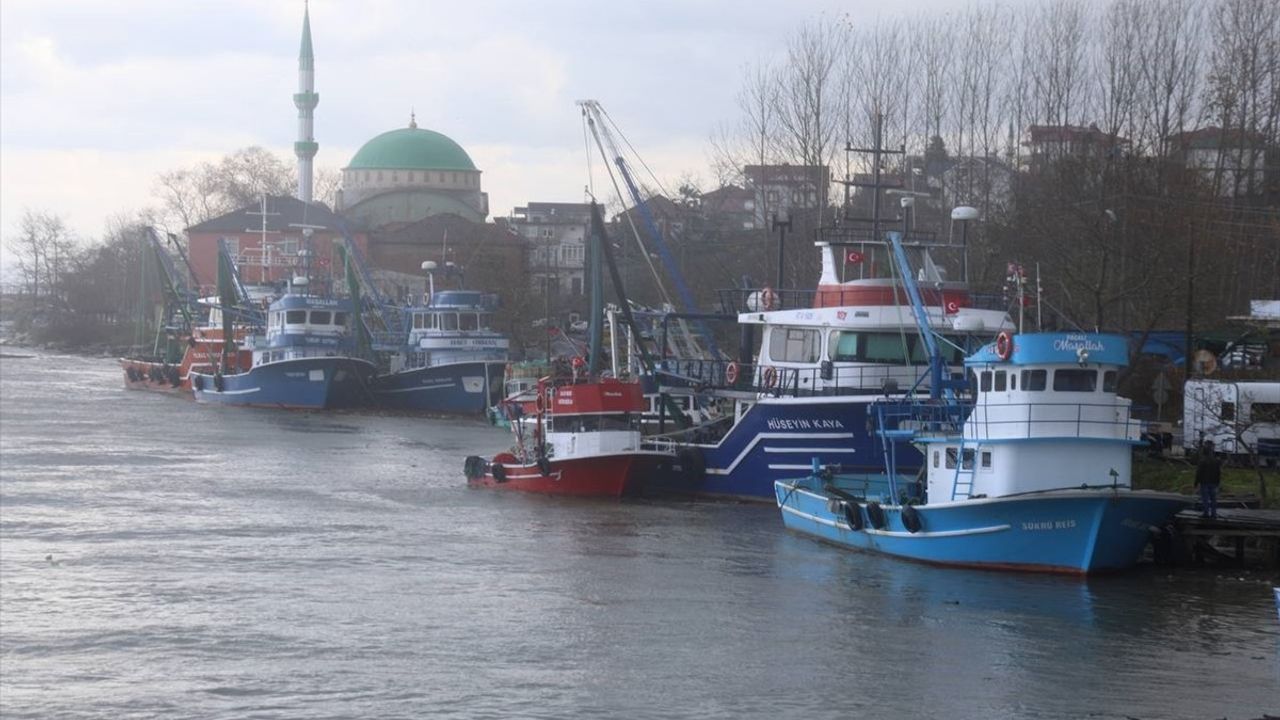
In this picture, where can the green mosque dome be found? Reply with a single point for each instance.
(411, 148)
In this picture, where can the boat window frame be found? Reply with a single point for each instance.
(1079, 374)
(320, 317)
(291, 315)
(1000, 381)
(1036, 380)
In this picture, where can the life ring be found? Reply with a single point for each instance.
(875, 515)
(731, 373)
(911, 519)
(1004, 345)
(499, 472)
(853, 516)
(770, 377)
(544, 466)
(473, 467)
(768, 298)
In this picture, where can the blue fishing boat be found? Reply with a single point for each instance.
(306, 359)
(454, 362)
(1033, 473)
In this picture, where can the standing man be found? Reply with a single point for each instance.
(1208, 477)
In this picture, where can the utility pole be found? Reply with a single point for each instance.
(782, 226)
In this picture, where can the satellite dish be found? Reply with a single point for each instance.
(1205, 362)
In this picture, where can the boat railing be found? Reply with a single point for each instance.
(744, 300)
(658, 444)
(1053, 420)
(819, 380)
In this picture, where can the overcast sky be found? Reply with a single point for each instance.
(98, 96)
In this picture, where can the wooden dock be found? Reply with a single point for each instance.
(1247, 531)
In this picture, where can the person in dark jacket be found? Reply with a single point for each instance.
(1208, 478)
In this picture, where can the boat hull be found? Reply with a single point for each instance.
(461, 388)
(777, 439)
(1076, 531)
(594, 476)
(321, 383)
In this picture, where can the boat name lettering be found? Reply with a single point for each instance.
(295, 374)
(1076, 342)
(803, 424)
(1049, 525)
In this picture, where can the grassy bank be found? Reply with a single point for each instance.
(1178, 475)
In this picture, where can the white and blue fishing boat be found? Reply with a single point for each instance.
(824, 359)
(1032, 474)
(306, 359)
(454, 362)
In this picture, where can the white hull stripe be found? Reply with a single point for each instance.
(416, 389)
(785, 466)
(895, 533)
(230, 392)
(808, 450)
(776, 436)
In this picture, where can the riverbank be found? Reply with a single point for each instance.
(1179, 475)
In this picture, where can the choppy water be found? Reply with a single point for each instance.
(230, 563)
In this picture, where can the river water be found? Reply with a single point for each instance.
(159, 558)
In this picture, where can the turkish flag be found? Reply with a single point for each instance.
(853, 257)
(951, 304)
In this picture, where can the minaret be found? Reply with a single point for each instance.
(306, 100)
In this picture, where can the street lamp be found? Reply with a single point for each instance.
(964, 214)
(782, 226)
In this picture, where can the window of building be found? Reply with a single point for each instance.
(773, 196)
(295, 317)
(1075, 380)
(1034, 380)
(320, 317)
(984, 381)
(1227, 411)
(1264, 413)
(1001, 381)
(793, 345)
(577, 286)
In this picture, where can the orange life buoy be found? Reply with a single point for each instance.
(768, 298)
(731, 373)
(770, 377)
(1004, 345)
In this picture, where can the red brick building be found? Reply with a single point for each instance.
(268, 252)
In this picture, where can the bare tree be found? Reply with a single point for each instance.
(805, 105)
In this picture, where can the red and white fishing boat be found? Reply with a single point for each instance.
(584, 439)
(169, 371)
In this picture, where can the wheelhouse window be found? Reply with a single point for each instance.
(793, 345)
(340, 318)
(1001, 380)
(417, 321)
(295, 317)
(1034, 380)
(321, 317)
(984, 381)
(448, 321)
(468, 321)
(986, 459)
(1109, 381)
(1075, 380)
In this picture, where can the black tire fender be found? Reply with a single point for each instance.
(853, 516)
(911, 519)
(499, 472)
(875, 515)
(544, 466)
(473, 467)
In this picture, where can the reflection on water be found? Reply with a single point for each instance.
(161, 558)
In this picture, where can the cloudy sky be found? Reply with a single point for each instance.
(98, 96)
